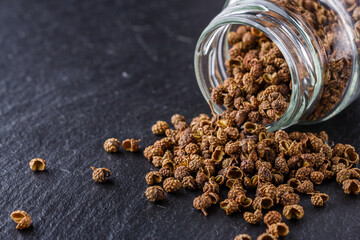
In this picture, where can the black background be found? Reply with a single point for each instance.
(74, 73)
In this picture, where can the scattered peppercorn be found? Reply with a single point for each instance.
(131, 145)
(22, 219)
(171, 184)
(242, 237)
(155, 193)
(111, 145)
(100, 175)
(279, 229)
(293, 212)
(266, 236)
(37, 164)
(272, 217)
(189, 182)
(160, 127)
(253, 218)
(214, 153)
(202, 202)
(153, 177)
(351, 186)
(318, 199)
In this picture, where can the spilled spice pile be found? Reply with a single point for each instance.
(215, 154)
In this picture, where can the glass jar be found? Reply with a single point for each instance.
(320, 41)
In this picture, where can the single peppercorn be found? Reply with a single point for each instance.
(211, 186)
(262, 203)
(305, 187)
(266, 236)
(100, 175)
(201, 178)
(351, 186)
(279, 229)
(111, 145)
(343, 175)
(155, 193)
(253, 218)
(153, 177)
(37, 164)
(230, 206)
(181, 172)
(317, 177)
(289, 199)
(202, 202)
(22, 219)
(272, 217)
(188, 182)
(192, 148)
(242, 237)
(293, 212)
(171, 184)
(318, 199)
(131, 145)
(165, 172)
(160, 127)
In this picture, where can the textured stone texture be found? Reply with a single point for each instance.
(74, 73)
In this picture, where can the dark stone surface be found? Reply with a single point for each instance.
(74, 73)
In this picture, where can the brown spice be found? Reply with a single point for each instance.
(111, 145)
(153, 177)
(230, 206)
(131, 145)
(242, 237)
(37, 164)
(155, 193)
(189, 182)
(253, 218)
(279, 229)
(202, 203)
(351, 186)
(171, 184)
(293, 212)
(318, 199)
(100, 175)
(272, 217)
(22, 219)
(160, 127)
(266, 236)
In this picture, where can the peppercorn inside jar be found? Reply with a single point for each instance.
(282, 62)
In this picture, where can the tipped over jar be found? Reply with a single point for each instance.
(282, 62)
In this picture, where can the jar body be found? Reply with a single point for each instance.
(318, 39)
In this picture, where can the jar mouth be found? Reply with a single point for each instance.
(295, 44)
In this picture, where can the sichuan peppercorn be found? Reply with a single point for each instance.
(22, 219)
(131, 145)
(272, 217)
(111, 145)
(188, 182)
(100, 175)
(155, 193)
(318, 199)
(242, 237)
(153, 177)
(253, 218)
(293, 211)
(171, 184)
(202, 202)
(160, 127)
(37, 164)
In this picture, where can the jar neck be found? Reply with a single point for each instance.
(302, 50)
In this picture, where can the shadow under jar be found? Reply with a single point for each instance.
(319, 40)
